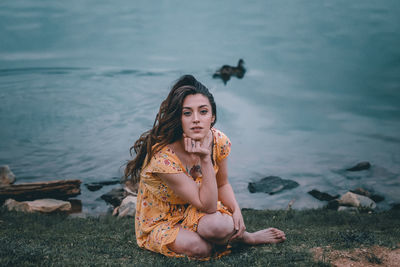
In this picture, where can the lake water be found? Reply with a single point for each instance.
(81, 80)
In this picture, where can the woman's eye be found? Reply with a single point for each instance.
(187, 113)
(204, 111)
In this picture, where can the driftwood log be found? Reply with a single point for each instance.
(60, 189)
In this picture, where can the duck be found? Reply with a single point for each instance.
(226, 71)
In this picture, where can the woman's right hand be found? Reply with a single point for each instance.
(199, 148)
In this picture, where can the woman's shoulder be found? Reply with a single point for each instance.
(220, 137)
(164, 160)
(218, 133)
(222, 143)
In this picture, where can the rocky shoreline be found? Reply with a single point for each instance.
(123, 199)
(354, 200)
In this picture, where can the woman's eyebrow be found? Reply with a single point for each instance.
(202, 106)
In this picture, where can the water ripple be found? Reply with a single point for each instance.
(41, 70)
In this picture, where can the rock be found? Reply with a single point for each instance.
(333, 204)
(127, 207)
(322, 195)
(98, 185)
(93, 187)
(377, 198)
(363, 192)
(6, 175)
(76, 206)
(272, 185)
(358, 201)
(365, 165)
(114, 197)
(40, 205)
(60, 189)
(12, 204)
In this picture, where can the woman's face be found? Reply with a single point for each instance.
(196, 116)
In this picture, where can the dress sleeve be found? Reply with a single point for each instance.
(223, 144)
(164, 161)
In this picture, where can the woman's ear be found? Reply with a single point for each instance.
(213, 119)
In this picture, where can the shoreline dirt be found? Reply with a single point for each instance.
(358, 257)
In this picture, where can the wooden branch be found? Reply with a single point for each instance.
(60, 189)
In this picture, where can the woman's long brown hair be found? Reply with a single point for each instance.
(167, 127)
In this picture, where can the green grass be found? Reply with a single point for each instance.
(57, 240)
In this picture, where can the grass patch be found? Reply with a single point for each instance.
(58, 240)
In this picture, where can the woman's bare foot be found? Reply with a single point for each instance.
(265, 236)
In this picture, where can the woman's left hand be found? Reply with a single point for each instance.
(238, 225)
(199, 148)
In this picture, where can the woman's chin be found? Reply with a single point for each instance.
(196, 136)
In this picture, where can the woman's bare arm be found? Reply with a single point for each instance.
(227, 197)
(205, 196)
(225, 191)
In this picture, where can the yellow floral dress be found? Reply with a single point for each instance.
(159, 210)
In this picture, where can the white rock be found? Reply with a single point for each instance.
(40, 205)
(12, 204)
(127, 207)
(6, 175)
(355, 200)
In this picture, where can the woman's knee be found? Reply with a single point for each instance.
(199, 249)
(216, 226)
(191, 244)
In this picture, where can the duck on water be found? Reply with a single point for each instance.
(226, 71)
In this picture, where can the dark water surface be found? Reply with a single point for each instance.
(81, 80)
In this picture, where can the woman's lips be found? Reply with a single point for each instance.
(196, 129)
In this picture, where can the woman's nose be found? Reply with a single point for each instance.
(195, 117)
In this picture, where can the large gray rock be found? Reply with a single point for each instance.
(98, 185)
(114, 197)
(271, 185)
(322, 195)
(40, 205)
(358, 201)
(6, 175)
(365, 165)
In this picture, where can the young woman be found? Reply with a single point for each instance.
(185, 204)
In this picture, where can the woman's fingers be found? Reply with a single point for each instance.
(242, 228)
(236, 224)
(238, 234)
(196, 147)
(239, 228)
(188, 144)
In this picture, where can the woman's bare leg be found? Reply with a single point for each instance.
(191, 244)
(218, 228)
(265, 236)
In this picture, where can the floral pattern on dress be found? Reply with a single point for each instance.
(159, 210)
